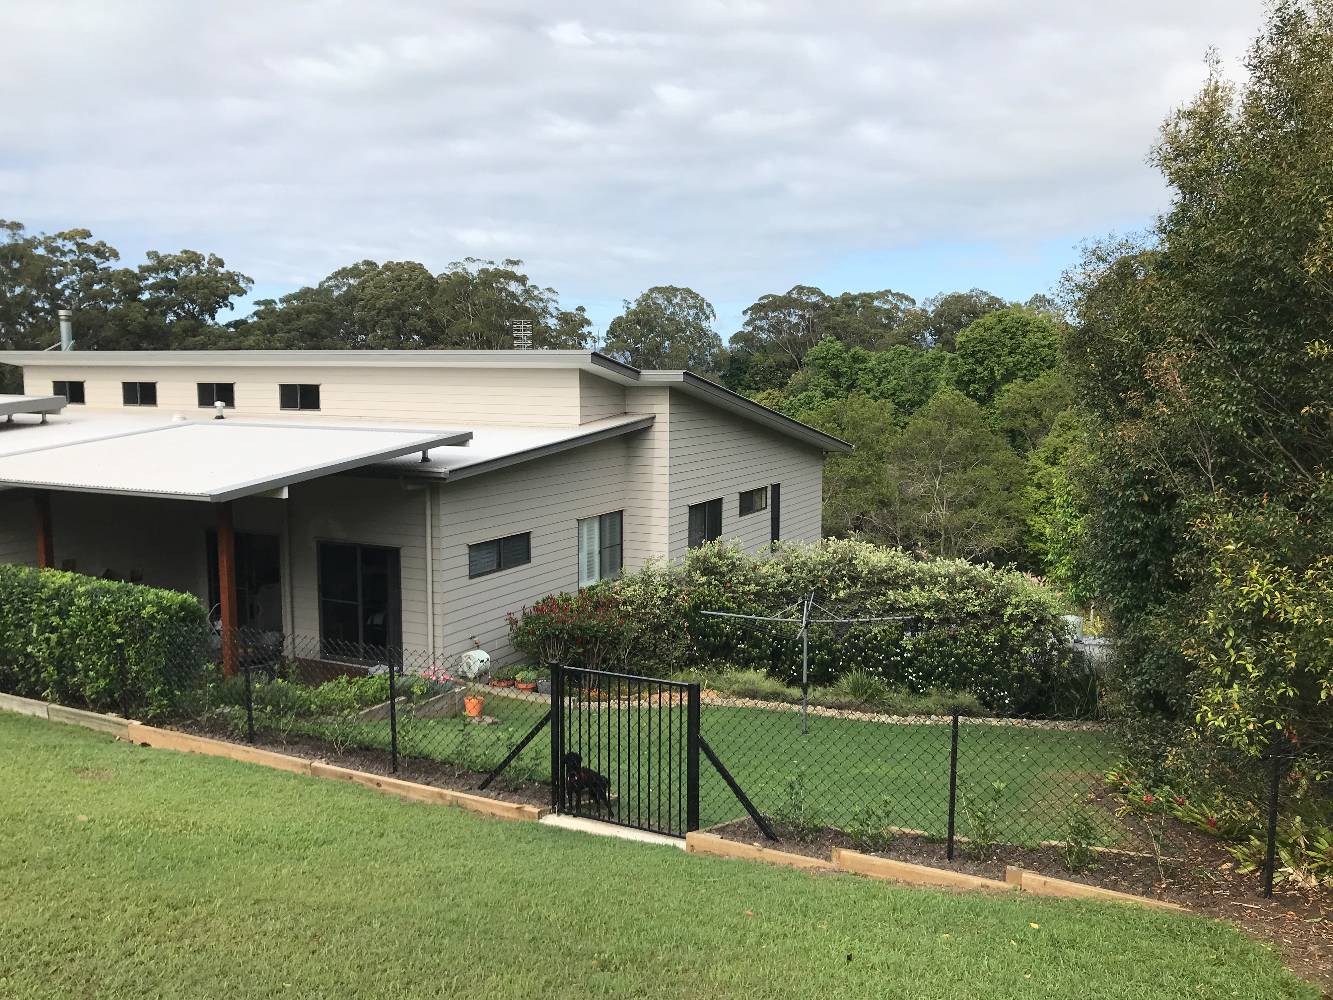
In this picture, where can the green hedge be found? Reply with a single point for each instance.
(993, 633)
(62, 636)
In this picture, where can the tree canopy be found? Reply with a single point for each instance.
(1203, 354)
(667, 328)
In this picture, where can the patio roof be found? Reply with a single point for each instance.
(211, 461)
(10, 405)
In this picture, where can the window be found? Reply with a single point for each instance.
(359, 599)
(217, 392)
(754, 500)
(705, 522)
(775, 513)
(298, 397)
(138, 393)
(72, 391)
(601, 547)
(499, 553)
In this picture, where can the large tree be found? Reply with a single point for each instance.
(1002, 347)
(940, 318)
(1204, 354)
(954, 485)
(666, 327)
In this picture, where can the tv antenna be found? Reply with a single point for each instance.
(522, 331)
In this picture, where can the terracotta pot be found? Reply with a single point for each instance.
(502, 682)
(526, 685)
(472, 705)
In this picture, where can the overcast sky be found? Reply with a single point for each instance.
(738, 148)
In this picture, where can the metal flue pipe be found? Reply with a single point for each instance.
(66, 317)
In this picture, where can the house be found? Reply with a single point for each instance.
(386, 498)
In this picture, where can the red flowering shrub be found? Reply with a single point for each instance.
(589, 629)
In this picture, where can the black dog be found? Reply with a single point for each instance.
(582, 781)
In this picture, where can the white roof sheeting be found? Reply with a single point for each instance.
(9, 405)
(494, 448)
(212, 461)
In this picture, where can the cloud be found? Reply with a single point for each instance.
(735, 147)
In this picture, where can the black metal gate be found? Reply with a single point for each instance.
(625, 749)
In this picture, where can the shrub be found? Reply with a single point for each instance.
(994, 634)
(585, 629)
(99, 644)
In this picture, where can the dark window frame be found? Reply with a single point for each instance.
(605, 552)
(209, 395)
(357, 651)
(133, 394)
(704, 522)
(298, 396)
(759, 491)
(68, 390)
(506, 557)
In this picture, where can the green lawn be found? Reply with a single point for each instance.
(129, 872)
(836, 769)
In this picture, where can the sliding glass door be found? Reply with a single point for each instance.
(359, 599)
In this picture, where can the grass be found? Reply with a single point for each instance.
(842, 764)
(135, 873)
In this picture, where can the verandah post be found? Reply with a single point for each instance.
(953, 780)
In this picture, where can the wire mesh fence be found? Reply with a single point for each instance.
(936, 785)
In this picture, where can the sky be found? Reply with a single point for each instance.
(738, 148)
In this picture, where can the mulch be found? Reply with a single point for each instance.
(1199, 874)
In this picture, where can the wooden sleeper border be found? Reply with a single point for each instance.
(170, 739)
(1044, 885)
(711, 844)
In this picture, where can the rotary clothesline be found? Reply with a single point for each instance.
(807, 605)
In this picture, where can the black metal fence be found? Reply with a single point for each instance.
(625, 749)
(674, 756)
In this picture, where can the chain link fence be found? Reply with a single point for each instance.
(938, 786)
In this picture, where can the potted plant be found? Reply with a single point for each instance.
(502, 677)
(472, 704)
(526, 680)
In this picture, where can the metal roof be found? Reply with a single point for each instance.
(10, 405)
(493, 448)
(212, 460)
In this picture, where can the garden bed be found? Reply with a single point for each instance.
(1199, 874)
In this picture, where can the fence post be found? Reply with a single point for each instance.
(953, 780)
(692, 759)
(1274, 780)
(249, 703)
(123, 664)
(557, 736)
(393, 719)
